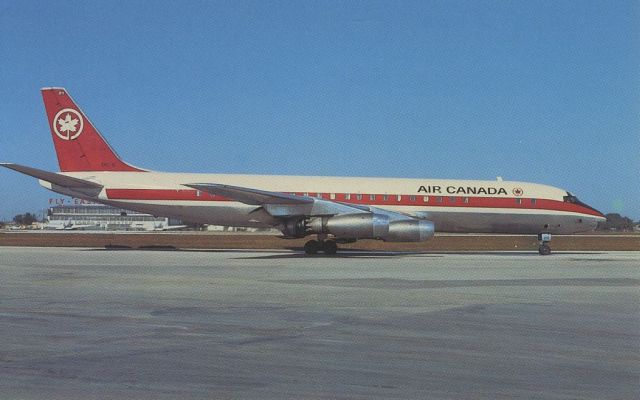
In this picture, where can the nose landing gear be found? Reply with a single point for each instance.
(544, 239)
(328, 247)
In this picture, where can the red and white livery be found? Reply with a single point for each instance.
(337, 209)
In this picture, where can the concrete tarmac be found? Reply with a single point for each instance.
(97, 324)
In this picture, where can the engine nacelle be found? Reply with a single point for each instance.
(294, 228)
(352, 226)
(416, 230)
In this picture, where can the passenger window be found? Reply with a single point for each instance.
(439, 199)
(332, 196)
(533, 201)
(425, 199)
(372, 197)
(452, 199)
(466, 200)
(347, 196)
(412, 198)
(385, 197)
(518, 201)
(399, 197)
(358, 196)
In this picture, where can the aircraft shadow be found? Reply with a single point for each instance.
(298, 252)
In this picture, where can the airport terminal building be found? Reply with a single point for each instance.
(77, 214)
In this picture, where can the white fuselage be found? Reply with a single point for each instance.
(453, 205)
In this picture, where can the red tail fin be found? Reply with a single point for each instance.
(79, 145)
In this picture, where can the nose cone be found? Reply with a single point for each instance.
(595, 217)
(590, 217)
(599, 217)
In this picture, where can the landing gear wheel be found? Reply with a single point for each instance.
(544, 239)
(544, 249)
(312, 247)
(330, 247)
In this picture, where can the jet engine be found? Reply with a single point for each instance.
(361, 226)
(415, 230)
(294, 228)
(352, 226)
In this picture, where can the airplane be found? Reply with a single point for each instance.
(67, 225)
(335, 209)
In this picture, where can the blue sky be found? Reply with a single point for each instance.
(543, 91)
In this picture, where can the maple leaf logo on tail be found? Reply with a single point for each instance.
(66, 122)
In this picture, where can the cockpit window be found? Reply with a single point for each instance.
(569, 198)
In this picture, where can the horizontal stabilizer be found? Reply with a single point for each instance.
(57, 179)
(250, 196)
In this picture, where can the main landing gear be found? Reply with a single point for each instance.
(544, 239)
(328, 247)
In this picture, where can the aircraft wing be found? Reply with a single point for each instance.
(275, 203)
(57, 179)
(286, 205)
(250, 196)
(393, 215)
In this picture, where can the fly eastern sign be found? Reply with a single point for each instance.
(436, 189)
